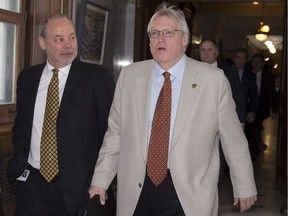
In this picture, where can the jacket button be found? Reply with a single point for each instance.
(139, 185)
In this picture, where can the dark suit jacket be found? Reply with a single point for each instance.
(249, 88)
(267, 96)
(81, 124)
(234, 80)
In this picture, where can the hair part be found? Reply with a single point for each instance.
(171, 12)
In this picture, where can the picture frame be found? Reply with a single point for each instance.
(92, 28)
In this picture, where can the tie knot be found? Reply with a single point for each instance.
(55, 70)
(166, 75)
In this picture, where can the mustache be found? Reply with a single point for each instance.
(67, 52)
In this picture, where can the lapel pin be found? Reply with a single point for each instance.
(194, 86)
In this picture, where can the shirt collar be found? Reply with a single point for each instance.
(176, 71)
(64, 70)
(215, 63)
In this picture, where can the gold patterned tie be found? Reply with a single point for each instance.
(48, 146)
(159, 138)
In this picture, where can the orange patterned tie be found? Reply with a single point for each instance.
(159, 139)
(48, 146)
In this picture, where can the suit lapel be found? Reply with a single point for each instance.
(188, 94)
(33, 89)
(143, 88)
(74, 79)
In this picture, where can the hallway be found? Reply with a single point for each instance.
(272, 192)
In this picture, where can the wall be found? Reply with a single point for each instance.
(119, 35)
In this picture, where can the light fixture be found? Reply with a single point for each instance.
(262, 33)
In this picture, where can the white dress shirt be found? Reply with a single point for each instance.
(258, 80)
(39, 109)
(176, 77)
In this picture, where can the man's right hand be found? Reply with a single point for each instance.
(250, 117)
(93, 190)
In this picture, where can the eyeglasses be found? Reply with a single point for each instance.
(165, 33)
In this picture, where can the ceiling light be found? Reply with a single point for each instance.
(272, 50)
(265, 28)
(261, 34)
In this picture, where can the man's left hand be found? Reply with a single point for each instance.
(245, 203)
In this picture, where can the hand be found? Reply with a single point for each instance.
(245, 203)
(93, 190)
(250, 117)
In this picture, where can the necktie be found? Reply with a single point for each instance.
(48, 146)
(159, 139)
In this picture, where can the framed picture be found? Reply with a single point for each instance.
(92, 27)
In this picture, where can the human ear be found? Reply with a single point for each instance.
(42, 42)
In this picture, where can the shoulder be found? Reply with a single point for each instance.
(137, 69)
(268, 73)
(140, 65)
(229, 71)
(202, 69)
(89, 69)
(31, 70)
(76, 64)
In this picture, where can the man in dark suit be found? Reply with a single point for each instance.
(209, 53)
(267, 98)
(85, 96)
(249, 88)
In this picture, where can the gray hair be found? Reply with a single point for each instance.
(172, 12)
(43, 25)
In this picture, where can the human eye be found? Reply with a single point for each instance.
(168, 33)
(72, 37)
(153, 33)
(58, 39)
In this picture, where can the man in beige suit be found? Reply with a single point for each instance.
(202, 111)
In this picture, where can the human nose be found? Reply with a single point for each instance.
(161, 36)
(67, 43)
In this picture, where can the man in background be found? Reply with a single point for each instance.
(209, 52)
(267, 100)
(249, 88)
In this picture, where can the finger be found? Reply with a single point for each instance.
(246, 204)
(102, 198)
(243, 206)
(236, 201)
(91, 192)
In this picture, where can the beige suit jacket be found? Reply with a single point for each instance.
(204, 114)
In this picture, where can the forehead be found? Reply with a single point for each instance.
(257, 60)
(240, 55)
(57, 25)
(207, 45)
(164, 22)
